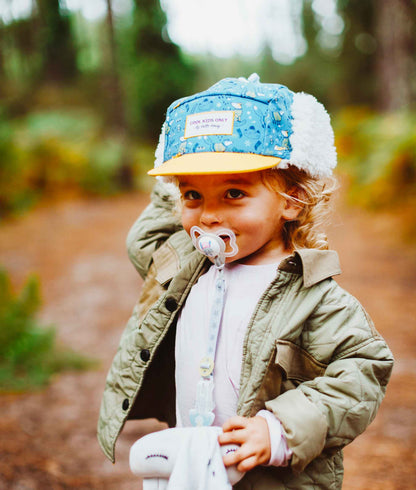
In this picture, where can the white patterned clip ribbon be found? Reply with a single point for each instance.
(213, 247)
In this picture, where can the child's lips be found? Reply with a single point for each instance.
(226, 240)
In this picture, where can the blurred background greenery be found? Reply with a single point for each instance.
(29, 354)
(84, 87)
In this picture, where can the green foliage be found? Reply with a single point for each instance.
(29, 355)
(377, 155)
(101, 168)
(54, 152)
(153, 83)
(153, 70)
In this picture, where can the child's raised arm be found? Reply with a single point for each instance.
(154, 226)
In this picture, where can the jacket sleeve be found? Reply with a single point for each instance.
(155, 225)
(329, 411)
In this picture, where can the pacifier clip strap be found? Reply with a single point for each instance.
(216, 315)
(202, 414)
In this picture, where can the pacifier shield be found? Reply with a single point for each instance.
(212, 245)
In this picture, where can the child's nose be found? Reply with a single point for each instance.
(210, 216)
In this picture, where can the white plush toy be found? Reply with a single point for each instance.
(185, 458)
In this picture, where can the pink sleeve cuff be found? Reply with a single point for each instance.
(280, 453)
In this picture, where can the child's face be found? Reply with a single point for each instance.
(242, 203)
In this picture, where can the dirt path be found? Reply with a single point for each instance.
(47, 439)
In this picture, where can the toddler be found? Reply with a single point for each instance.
(240, 324)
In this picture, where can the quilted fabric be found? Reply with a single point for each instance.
(311, 354)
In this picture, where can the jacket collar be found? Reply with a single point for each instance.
(314, 265)
(168, 262)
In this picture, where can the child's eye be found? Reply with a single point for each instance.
(192, 195)
(234, 194)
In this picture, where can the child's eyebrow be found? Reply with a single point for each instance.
(239, 181)
(184, 184)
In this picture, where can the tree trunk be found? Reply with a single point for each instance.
(395, 31)
(114, 87)
(57, 46)
(125, 174)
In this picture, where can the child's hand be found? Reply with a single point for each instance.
(253, 436)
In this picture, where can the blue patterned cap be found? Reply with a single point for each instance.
(243, 125)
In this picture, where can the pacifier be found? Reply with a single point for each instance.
(212, 245)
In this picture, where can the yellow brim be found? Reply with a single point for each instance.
(215, 163)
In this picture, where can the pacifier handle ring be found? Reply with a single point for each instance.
(194, 230)
(232, 244)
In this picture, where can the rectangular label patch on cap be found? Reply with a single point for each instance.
(209, 123)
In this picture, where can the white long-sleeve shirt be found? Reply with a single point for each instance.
(244, 285)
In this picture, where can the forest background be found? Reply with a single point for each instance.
(82, 101)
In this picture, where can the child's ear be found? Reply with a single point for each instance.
(293, 205)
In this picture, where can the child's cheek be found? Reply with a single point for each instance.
(188, 220)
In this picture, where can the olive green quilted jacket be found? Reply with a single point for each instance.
(311, 354)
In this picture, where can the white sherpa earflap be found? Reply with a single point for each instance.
(160, 149)
(159, 157)
(312, 139)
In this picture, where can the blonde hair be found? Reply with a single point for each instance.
(312, 195)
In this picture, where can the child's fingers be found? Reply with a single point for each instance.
(244, 459)
(247, 464)
(232, 437)
(236, 457)
(234, 423)
(231, 459)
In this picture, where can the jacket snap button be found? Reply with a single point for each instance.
(125, 404)
(171, 304)
(145, 355)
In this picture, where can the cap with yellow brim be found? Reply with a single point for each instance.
(242, 125)
(215, 163)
